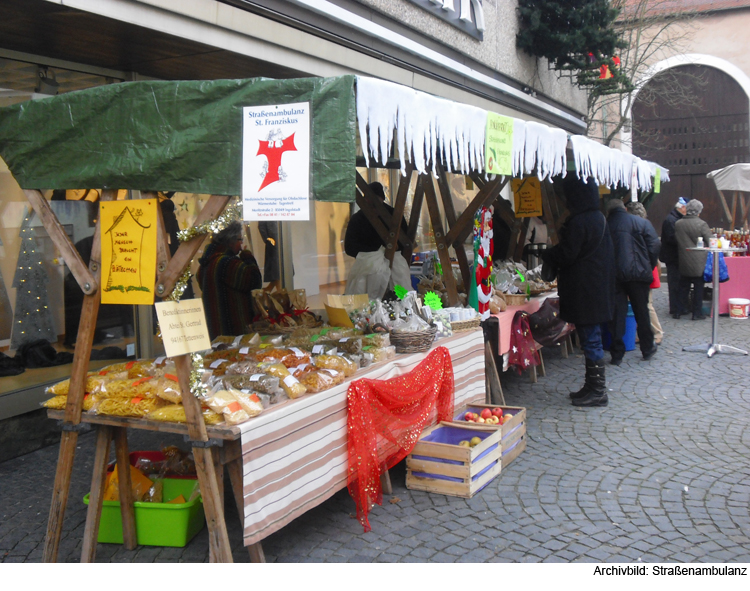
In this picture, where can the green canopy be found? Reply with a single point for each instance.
(172, 136)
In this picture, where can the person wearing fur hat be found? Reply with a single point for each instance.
(669, 256)
(692, 262)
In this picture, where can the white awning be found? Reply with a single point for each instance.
(735, 177)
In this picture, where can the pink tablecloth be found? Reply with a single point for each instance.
(505, 319)
(738, 285)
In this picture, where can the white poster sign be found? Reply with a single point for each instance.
(276, 162)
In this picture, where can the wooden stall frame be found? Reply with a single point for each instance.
(208, 460)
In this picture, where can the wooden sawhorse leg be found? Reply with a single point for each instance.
(93, 514)
(234, 467)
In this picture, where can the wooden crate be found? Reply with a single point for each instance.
(513, 433)
(438, 464)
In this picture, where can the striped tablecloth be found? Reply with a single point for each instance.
(295, 455)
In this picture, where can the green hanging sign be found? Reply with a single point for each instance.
(498, 147)
(657, 180)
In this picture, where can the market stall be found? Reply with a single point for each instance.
(188, 137)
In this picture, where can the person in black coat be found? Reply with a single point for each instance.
(584, 259)
(669, 256)
(636, 254)
(360, 235)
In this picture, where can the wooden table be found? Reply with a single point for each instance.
(294, 456)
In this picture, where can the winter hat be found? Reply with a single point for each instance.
(681, 202)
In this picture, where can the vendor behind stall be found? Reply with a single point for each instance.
(361, 236)
(227, 275)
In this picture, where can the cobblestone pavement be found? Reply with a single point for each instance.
(662, 474)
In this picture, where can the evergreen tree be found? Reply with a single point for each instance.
(32, 319)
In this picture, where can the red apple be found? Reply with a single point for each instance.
(497, 411)
(481, 420)
(469, 416)
(476, 416)
(506, 418)
(486, 413)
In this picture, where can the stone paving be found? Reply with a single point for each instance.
(660, 475)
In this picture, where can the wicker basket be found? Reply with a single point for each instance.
(413, 342)
(459, 325)
(516, 299)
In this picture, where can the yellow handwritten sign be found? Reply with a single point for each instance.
(528, 195)
(128, 237)
(183, 326)
(498, 148)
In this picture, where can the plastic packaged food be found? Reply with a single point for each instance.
(258, 381)
(367, 359)
(93, 384)
(250, 402)
(168, 388)
(337, 362)
(128, 407)
(383, 353)
(59, 402)
(295, 357)
(140, 368)
(272, 354)
(316, 381)
(376, 340)
(338, 377)
(224, 402)
(287, 381)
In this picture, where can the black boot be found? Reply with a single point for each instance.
(596, 384)
(590, 369)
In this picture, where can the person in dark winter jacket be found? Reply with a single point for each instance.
(360, 235)
(692, 262)
(584, 258)
(227, 276)
(669, 257)
(636, 254)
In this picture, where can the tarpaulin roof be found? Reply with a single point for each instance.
(172, 136)
(735, 177)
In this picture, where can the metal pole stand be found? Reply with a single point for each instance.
(714, 347)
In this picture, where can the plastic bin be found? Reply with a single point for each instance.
(629, 336)
(157, 524)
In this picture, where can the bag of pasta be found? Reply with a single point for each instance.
(259, 382)
(60, 402)
(250, 401)
(137, 406)
(271, 354)
(224, 402)
(168, 388)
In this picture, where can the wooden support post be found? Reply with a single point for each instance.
(165, 281)
(129, 538)
(394, 233)
(440, 240)
(520, 239)
(450, 216)
(492, 379)
(725, 206)
(73, 408)
(385, 483)
(218, 539)
(484, 197)
(547, 214)
(416, 212)
(734, 209)
(60, 239)
(94, 511)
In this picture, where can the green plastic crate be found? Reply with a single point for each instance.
(157, 524)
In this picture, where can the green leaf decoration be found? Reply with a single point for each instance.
(433, 300)
(523, 279)
(400, 291)
(438, 268)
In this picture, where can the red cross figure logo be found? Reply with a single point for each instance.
(273, 150)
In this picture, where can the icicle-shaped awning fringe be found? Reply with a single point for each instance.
(431, 131)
